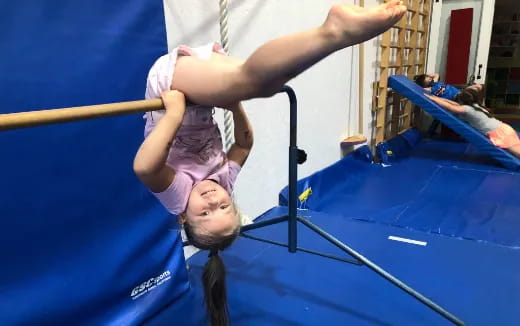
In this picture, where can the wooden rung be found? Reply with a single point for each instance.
(398, 66)
(413, 29)
(399, 46)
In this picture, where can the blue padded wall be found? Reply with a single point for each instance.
(82, 242)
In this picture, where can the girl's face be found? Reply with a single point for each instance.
(211, 210)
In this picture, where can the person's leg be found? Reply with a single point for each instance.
(222, 80)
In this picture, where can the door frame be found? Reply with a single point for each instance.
(483, 41)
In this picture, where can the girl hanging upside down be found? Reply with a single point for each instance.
(181, 159)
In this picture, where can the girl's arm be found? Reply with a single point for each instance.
(446, 104)
(150, 160)
(450, 101)
(435, 77)
(243, 132)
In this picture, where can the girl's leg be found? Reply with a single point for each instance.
(222, 80)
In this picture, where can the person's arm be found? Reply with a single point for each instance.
(451, 101)
(435, 77)
(446, 104)
(150, 160)
(243, 132)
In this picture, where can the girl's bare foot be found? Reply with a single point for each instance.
(352, 24)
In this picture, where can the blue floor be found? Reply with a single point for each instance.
(467, 213)
(479, 282)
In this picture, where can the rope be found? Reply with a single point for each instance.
(228, 116)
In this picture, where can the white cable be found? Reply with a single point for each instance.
(228, 116)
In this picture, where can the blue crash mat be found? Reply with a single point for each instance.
(269, 286)
(418, 191)
(404, 86)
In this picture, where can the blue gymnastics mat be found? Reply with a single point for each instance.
(431, 185)
(404, 86)
(267, 285)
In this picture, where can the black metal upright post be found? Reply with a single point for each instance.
(293, 169)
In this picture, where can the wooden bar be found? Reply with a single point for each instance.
(46, 117)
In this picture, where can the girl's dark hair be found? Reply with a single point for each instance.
(470, 96)
(214, 273)
(419, 80)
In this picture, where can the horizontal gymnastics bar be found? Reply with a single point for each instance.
(45, 117)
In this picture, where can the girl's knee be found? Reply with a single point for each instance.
(255, 84)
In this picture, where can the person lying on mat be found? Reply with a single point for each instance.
(431, 83)
(470, 109)
(193, 178)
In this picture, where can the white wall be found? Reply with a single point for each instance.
(324, 92)
(447, 7)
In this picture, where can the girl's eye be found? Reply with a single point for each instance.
(224, 206)
(205, 213)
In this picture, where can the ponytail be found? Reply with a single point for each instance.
(215, 294)
(214, 273)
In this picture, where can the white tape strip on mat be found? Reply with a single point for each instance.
(415, 242)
